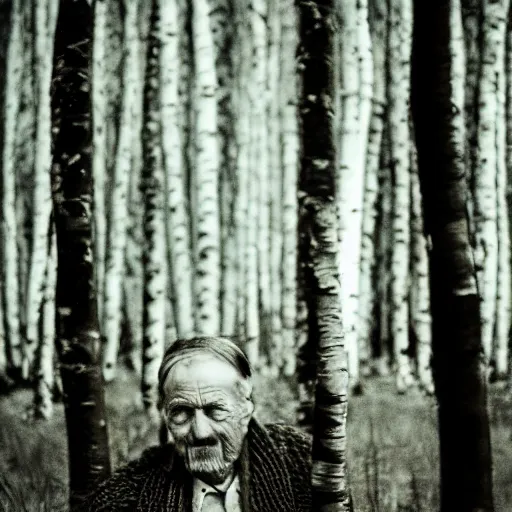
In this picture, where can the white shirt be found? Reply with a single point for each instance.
(232, 500)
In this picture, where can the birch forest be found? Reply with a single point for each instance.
(197, 207)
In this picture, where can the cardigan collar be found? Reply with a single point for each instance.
(264, 480)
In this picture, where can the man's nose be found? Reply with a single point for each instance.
(201, 428)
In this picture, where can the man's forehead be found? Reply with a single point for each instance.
(202, 372)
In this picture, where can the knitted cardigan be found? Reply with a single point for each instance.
(274, 471)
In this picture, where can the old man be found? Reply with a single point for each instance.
(221, 458)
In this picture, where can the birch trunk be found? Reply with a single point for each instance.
(9, 228)
(420, 292)
(290, 166)
(383, 259)
(503, 298)
(398, 97)
(318, 178)
(207, 235)
(508, 154)
(44, 381)
(260, 162)
(378, 26)
(45, 19)
(77, 322)
(178, 222)
(114, 270)
(99, 162)
(275, 182)
(154, 257)
(465, 452)
(222, 29)
(351, 180)
(242, 65)
(471, 11)
(485, 192)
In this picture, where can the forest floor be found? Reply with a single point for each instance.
(393, 453)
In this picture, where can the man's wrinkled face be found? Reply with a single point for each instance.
(207, 409)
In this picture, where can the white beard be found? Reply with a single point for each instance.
(207, 463)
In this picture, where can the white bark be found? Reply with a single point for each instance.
(366, 297)
(420, 284)
(290, 165)
(154, 257)
(206, 205)
(275, 182)
(351, 181)
(45, 21)
(178, 223)
(400, 40)
(504, 284)
(485, 192)
(43, 398)
(9, 228)
(99, 141)
(114, 269)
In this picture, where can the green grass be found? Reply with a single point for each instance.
(392, 439)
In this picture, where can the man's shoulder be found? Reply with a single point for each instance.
(121, 490)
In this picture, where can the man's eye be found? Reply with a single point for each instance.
(216, 413)
(180, 415)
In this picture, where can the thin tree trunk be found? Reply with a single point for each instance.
(178, 222)
(457, 363)
(351, 182)
(78, 329)
(420, 292)
(99, 163)
(318, 178)
(503, 298)
(45, 381)
(275, 182)
(154, 257)
(242, 63)
(45, 19)
(207, 233)
(115, 257)
(378, 26)
(383, 260)
(398, 89)
(9, 227)
(485, 192)
(290, 163)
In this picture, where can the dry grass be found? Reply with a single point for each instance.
(392, 446)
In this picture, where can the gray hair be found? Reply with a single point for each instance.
(222, 348)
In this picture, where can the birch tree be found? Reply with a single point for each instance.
(398, 105)
(114, 270)
(99, 162)
(290, 165)
(419, 299)
(154, 258)
(207, 235)
(275, 181)
(44, 27)
(9, 227)
(178, 222)
(318, 177)
(485, 192)
(378, 22)
(503, 292)
(77, 321)
(44, 374)
(457, 362)
(351, 179)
